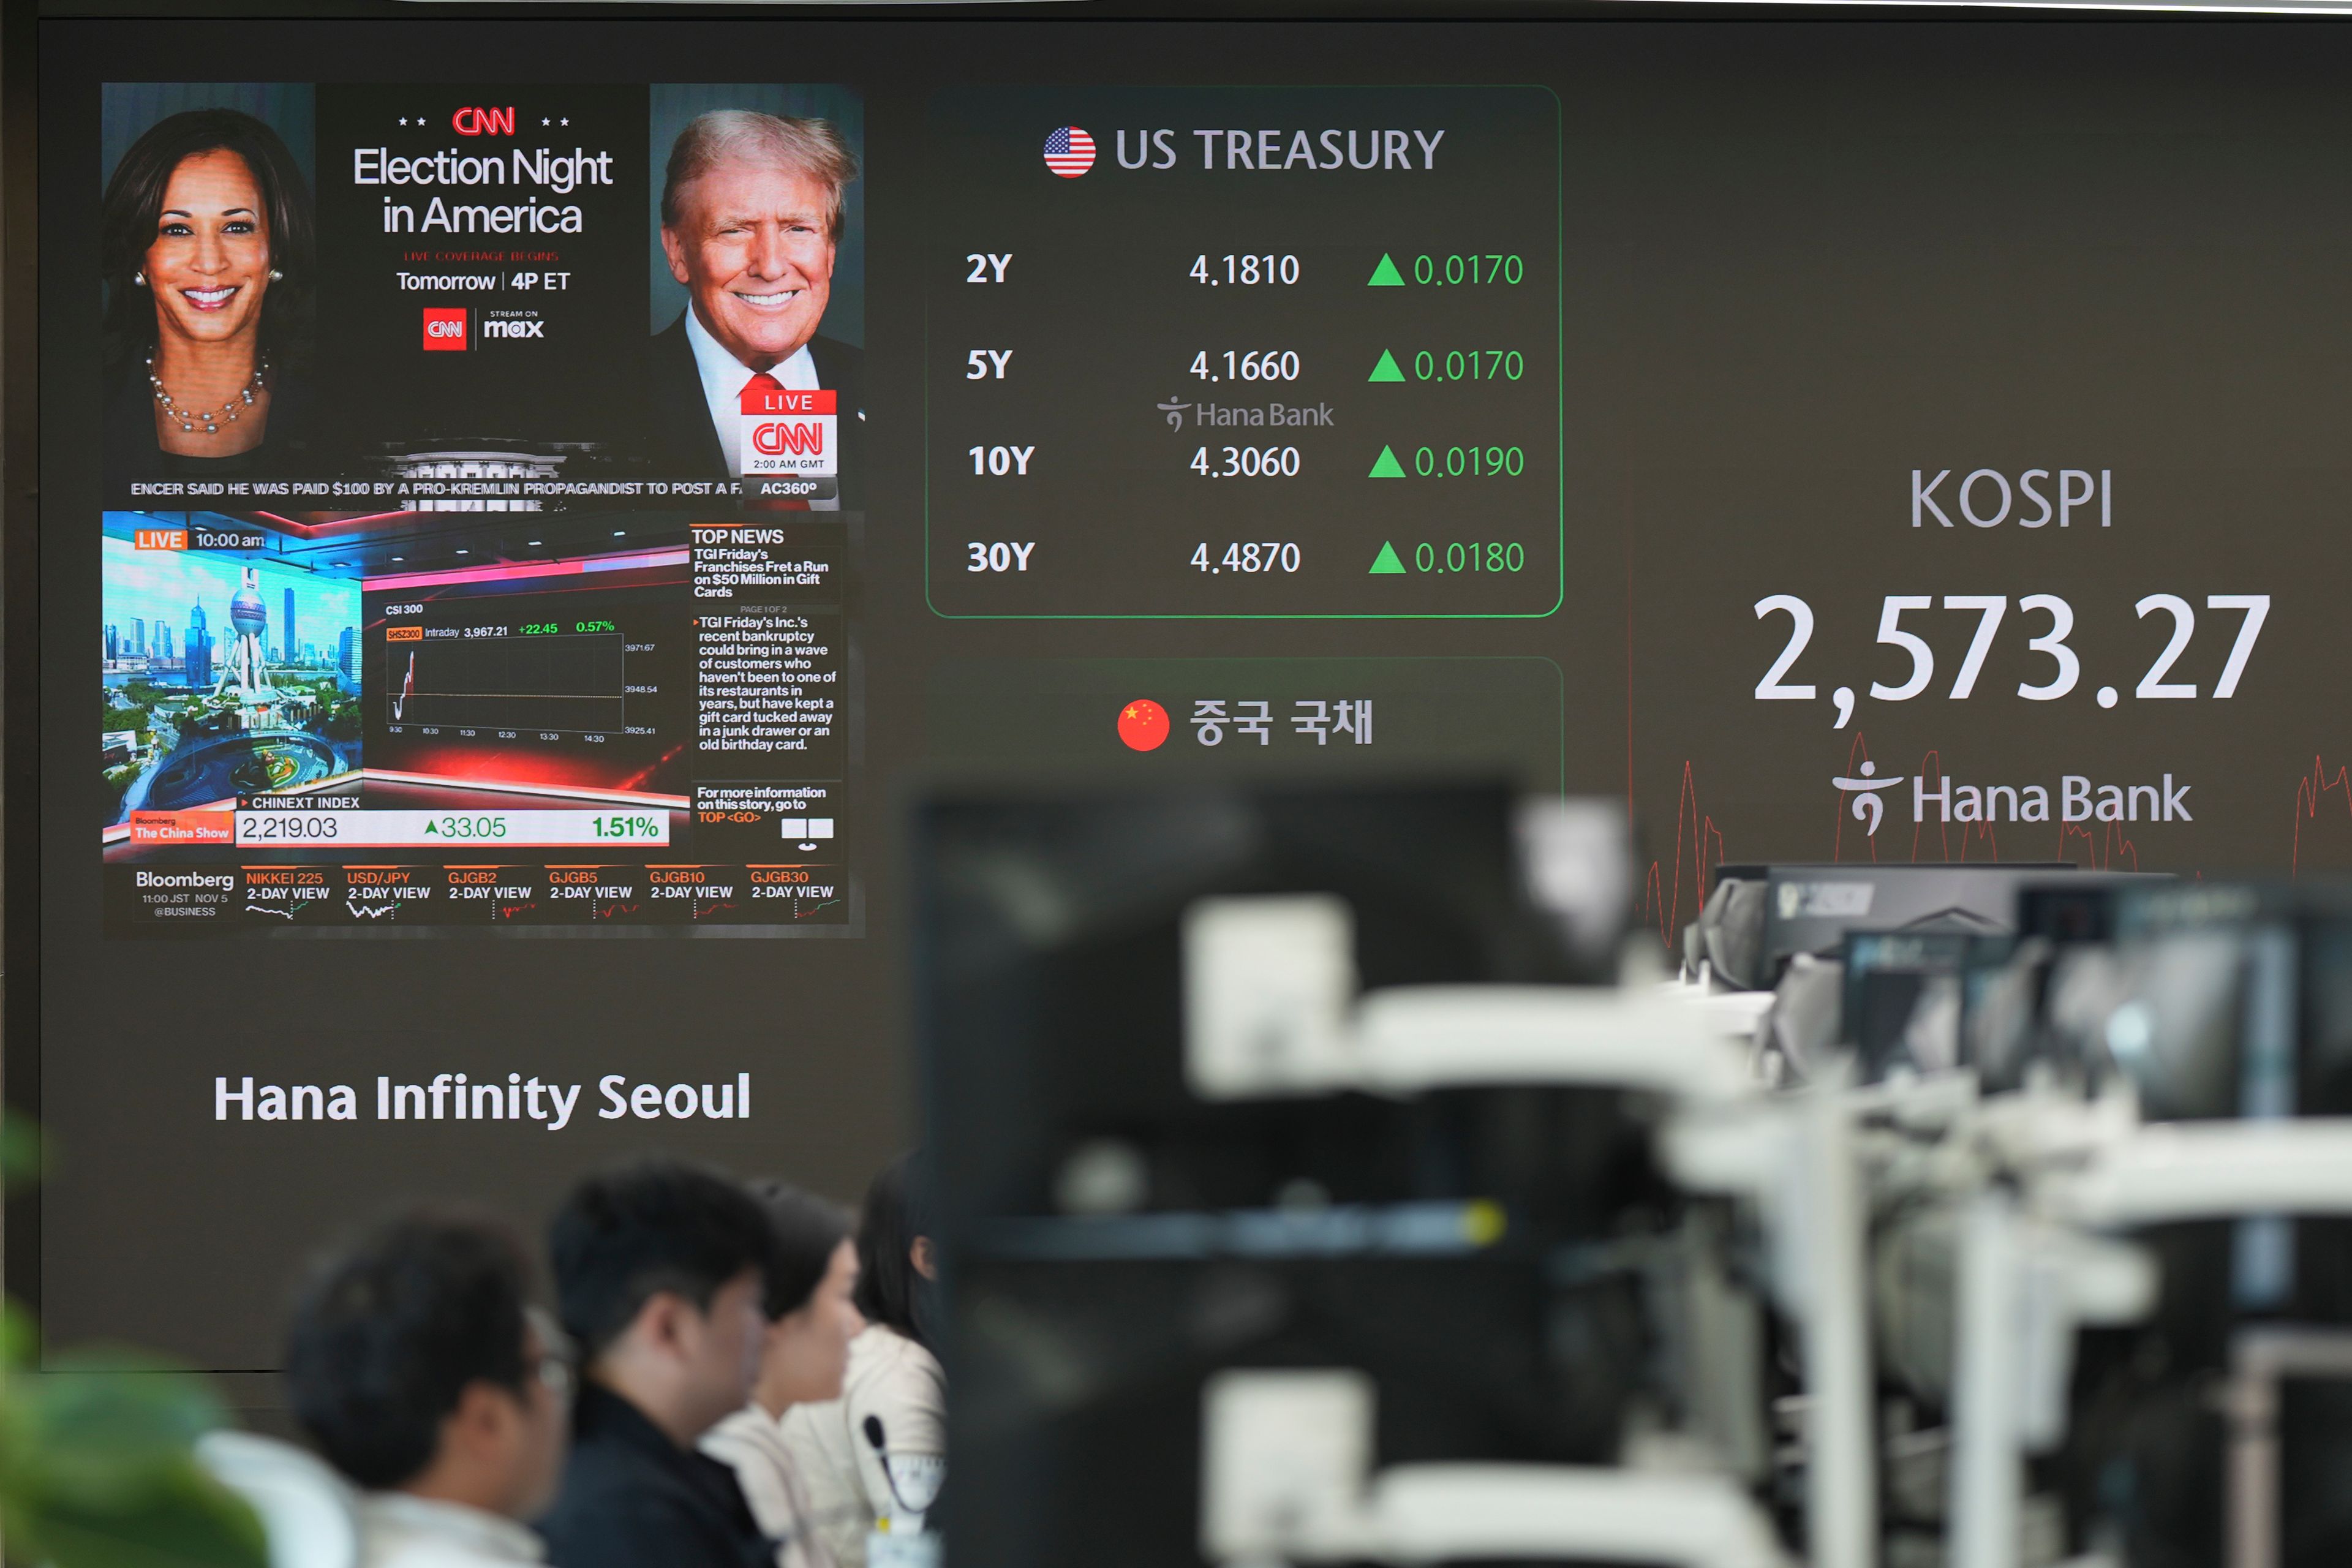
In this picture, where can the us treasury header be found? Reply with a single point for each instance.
(1271, 151)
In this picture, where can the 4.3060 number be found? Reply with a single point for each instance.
(1247, 463)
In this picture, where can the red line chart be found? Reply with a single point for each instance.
(1696, 839)
(2309, 791)
(2104, 847)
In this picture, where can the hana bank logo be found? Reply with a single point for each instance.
(1867, 807)
(2077, 798)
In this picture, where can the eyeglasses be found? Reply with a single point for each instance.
(557, 1353)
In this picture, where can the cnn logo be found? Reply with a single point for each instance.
(445, 328)
(797, 438)
(483, 121)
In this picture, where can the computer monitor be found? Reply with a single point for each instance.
(1050, 979)
(1077, 1437)
(1809, 908)
(1111, 1241)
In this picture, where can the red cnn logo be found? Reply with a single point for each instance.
(776, 438)
(445, 328)
(483, 121)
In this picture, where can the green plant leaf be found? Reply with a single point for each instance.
(106, 1436)
(191, 1521)
(20, 1150)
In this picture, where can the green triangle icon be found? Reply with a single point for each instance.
(1386, 275)
(1386, 565)
(1386, 466)
(1387, 369)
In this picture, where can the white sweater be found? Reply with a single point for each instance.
(891, 1377)
(750, 1443)
(397, 1530)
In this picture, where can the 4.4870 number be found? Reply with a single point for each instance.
(1269, 556)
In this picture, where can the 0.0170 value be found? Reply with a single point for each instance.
(1268, 557)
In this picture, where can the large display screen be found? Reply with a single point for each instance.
(541, 511)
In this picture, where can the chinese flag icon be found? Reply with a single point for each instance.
(1143, 725)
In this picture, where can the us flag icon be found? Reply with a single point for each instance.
(1070, 151)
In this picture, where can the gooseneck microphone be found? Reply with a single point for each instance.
(873, 1436)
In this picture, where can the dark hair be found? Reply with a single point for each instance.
(806, 1230)
(388, 1333)
(134, 202)
(630, 1234)
(889, 1288)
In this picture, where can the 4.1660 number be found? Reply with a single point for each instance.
(1257, 365)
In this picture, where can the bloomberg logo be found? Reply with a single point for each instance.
(444, 327)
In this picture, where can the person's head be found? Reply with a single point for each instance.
(205, 218)
(751, 217)
(811, 1315)
(896, 1269)
(660, 1269)
(415, 1363)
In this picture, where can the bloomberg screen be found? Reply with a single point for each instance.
(537, 506)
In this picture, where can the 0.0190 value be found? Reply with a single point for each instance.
(1469, 462)
(1268, 557)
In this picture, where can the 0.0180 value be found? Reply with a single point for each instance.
(1459, 557)
(1268, 557)
(1247, 463)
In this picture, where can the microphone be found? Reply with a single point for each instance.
(882, 1451)
(877, 1440)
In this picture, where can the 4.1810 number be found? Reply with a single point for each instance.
(1244, 270)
